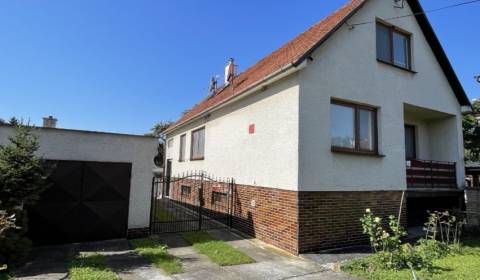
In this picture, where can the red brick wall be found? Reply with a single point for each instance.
(331, 219)
(272, 218)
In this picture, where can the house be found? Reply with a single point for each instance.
(101, 184)
(362, 110)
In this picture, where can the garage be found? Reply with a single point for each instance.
(100, 185)
(86, 201)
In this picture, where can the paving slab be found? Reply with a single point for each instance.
(48, 262)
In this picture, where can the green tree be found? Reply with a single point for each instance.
(23, 176)
(471, 133)
(158, 130)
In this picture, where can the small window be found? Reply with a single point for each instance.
(183, 139)
(219, 198)
(393, 46)
(353, 127)
(186, 191)
(198, 144)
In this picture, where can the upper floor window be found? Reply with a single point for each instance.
(393, 46)
(183, 142)
(198, 144)
(353, 127)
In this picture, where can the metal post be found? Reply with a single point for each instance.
(232, 184)
(152, 206)
(200, 196)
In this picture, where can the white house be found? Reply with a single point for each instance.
(348, 115)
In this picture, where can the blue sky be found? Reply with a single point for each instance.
(121, 66)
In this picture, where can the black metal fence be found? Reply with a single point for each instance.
(191, 201)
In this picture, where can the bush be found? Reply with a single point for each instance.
(389, 251)
(382, 240)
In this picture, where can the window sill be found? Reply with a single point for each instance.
(199, 158)
(396, 66)
(356, 152)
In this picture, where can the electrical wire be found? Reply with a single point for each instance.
(416, 14)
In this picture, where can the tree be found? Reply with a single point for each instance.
(471, 133)
(158, 130)
(23, 177)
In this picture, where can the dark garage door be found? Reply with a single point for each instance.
(87, 201)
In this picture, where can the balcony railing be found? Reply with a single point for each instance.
(431, 174)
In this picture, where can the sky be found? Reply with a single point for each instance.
(122, 66)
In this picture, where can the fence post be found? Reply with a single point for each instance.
(232, 212)
(152, 205)
(200, 196)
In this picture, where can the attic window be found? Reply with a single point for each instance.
(393, 46)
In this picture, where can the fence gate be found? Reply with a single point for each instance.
(190, 202)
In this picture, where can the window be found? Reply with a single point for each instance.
(183, 139)
(353, 127)
(198, 144)
(186, 191)
(393, 46)
(410, 147)
(219, 198)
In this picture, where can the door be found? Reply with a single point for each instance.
(410, 139)
(86, 201)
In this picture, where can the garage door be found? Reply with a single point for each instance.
(87, 201)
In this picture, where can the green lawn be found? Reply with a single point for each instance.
(460, 266)
(91, 267)
(163, 215)
(157, 254)
(6, 276)
(217, 250)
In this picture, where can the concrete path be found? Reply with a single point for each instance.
(271, 263)
(50, 263)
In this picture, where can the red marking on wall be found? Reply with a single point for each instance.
(251, 128)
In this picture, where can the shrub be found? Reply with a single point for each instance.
(390, 253)
(382, 240)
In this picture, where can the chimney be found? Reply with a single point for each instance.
(229, 71)
(50, 122)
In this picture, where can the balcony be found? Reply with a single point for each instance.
(430, 174)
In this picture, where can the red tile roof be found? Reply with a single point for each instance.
(292, 52)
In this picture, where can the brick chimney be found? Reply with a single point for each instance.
(50, 122)
(229, 71)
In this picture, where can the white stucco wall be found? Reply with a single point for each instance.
(60, 144)
(345, 67)
(268, 158)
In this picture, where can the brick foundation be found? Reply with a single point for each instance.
(268, 214)
(133, 233)
(331, 219)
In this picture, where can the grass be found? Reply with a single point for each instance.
(217, 250)
(157, 254)
(163, 215)
(459, 266)
(90, 267)
(6, 276)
